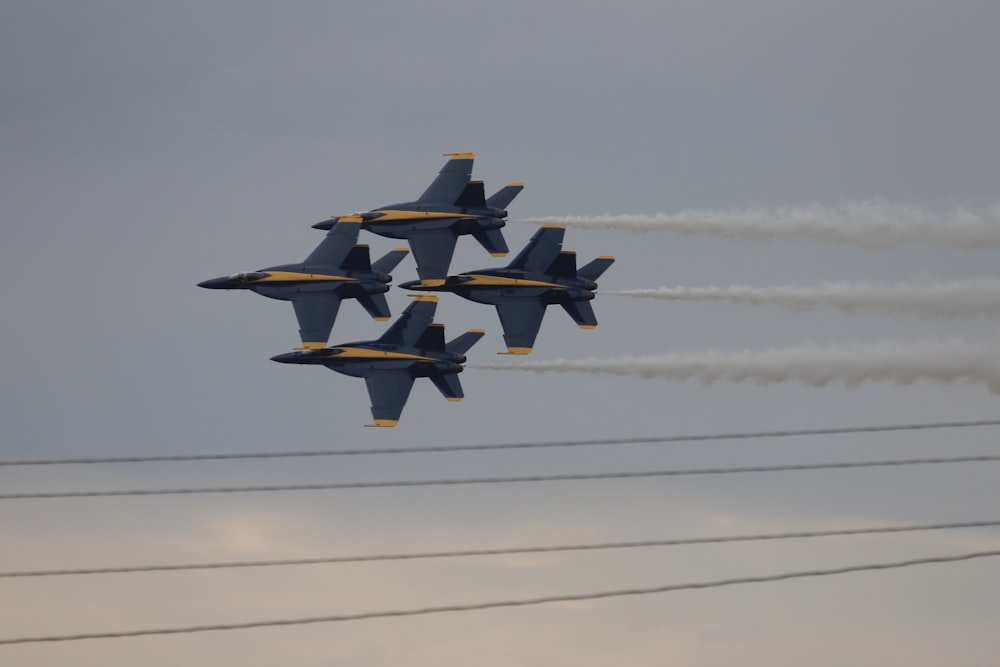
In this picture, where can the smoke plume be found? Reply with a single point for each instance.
(865, 224)
(851, 365)
(969, 298)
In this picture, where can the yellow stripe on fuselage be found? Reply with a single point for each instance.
(390, 215)
(365, 353)
(499, 281)
(295, 277)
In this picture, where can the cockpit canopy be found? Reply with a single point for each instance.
(248, 277)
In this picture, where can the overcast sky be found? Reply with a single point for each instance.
(145, 147)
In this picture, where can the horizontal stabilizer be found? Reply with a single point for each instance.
(376, 305)
(492, 240)
(462, 343)
(449, 385)
(594, 270)
(391, 259)
(358, 259)
(504, 196)
(581, 312)
(473, 196)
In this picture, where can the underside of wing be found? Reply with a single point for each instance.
(541, 251)
(388, 391)
(316, 313)
(411, 325)
(451, 180)
(335, 246)
(432, 251)
(521, 319)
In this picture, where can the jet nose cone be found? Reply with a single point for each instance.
(214, 283)
(287, 357)
(410, 284)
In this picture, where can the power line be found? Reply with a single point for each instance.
(522, 445)
(503, 480)
(502, 603)
(505, 551)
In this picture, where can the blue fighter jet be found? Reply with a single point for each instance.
(337, 269)
(453, 205)
(542, 274)
(413, 347)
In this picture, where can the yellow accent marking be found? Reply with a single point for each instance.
(348, 218)
(587, 326)
(424, 297)
(365, 353)
(498, 254)
(474, 181)
(431, 282)
(567, 252)
(515, 185)
(312, 346)
(401, 250)
(496, 281)
(461, 156)
(606, 257)
(482, 331)
(517, 350)
(294, 276)
(384, 422)
(552, 225)
(436, 324)
(390, 215)
(381, 319)
(453, 399)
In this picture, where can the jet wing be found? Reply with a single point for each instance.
(334, 248)
(411, 325)
(388, 391)
(543, 249)
(432, 250)
(521, 319)
(316, 313)
(451, 180)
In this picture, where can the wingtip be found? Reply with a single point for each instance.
(453, 399)
(461, 156)
(498, 254)
(383, 423)
(424, 297)
(588, 326)
(517, 350)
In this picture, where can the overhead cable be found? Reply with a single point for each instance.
(335, 486)
(515, 445)
(504, 551)
(500, 603)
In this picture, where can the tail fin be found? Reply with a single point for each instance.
(391, 259)
(449, 385)
(581, 312)
(563, 265)
(357, 259)
(473, 196)
(432, 338)
(376, 306)
(594, 270)
(492, 240)
(505, 195)
(462, 343)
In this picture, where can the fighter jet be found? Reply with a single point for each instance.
(337, 269)
(452, 206)
(413, 347)
(542, 274)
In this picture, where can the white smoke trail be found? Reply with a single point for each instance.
(865, 224)
(967, 298)
(852, 364)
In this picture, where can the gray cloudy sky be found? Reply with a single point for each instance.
(147, 146)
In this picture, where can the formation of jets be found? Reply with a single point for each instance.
(414, 346)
